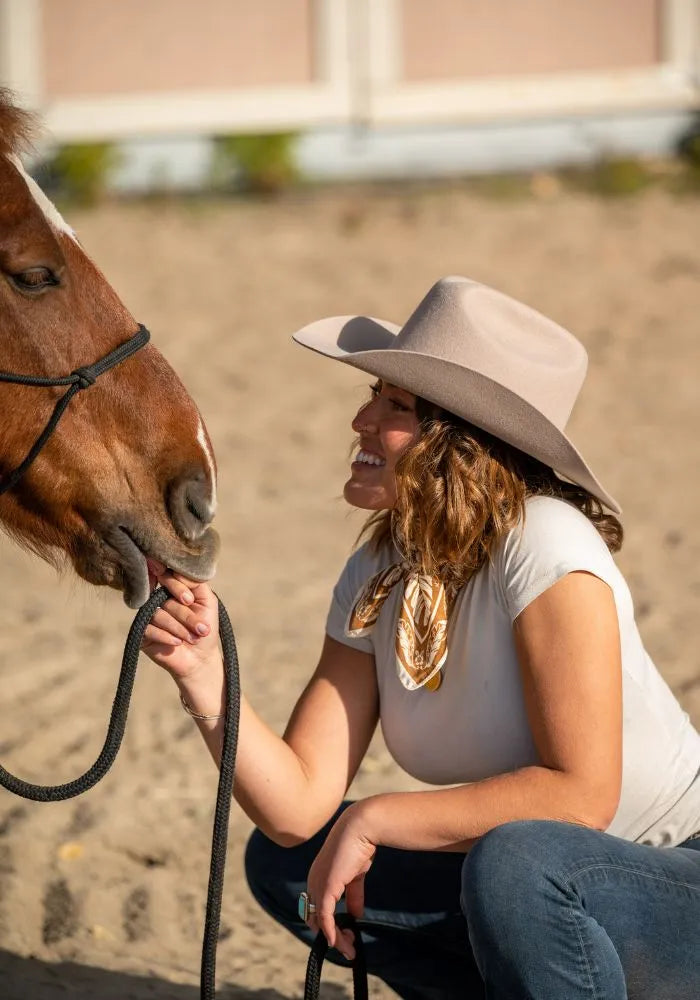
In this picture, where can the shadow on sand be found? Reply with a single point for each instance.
(34, 979)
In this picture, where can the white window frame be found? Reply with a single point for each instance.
(673, 83)
(20, 49)
(191, 111)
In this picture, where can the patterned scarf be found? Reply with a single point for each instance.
(421, 629)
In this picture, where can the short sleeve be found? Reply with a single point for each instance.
(554, 539)
(357, 571)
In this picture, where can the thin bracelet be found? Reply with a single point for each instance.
(196, 715)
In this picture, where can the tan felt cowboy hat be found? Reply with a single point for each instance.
(479, 354)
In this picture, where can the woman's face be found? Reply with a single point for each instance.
(387, 425)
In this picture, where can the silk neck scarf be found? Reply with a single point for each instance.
(421, 630)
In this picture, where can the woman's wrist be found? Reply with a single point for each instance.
(399, 820)
(370, 817)
(202, 690)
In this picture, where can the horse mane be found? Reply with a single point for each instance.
(17, 126)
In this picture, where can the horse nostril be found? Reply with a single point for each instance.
(194, 512)
(190, 506)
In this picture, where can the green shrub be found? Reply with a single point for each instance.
(611, 178)
(500, 186)
(80, 171)
(259, 163)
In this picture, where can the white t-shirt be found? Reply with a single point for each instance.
(475, 725)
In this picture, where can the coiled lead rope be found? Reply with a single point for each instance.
(108, 754)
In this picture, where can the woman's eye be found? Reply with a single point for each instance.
(395, 404)
(34, 279)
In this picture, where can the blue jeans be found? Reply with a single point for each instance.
(538, 910)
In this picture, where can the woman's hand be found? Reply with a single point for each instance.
(183, 635)
(340, 867)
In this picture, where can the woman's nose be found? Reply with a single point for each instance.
(365, 419)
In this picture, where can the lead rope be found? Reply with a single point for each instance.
(312, 985)
(108, 754)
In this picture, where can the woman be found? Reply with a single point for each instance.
(485, 624)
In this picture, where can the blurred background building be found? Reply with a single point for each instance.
(374, 88)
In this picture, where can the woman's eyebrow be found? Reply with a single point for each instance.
(397, 388)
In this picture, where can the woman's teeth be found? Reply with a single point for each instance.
(368, 459)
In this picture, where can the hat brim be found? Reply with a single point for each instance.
(366, 343)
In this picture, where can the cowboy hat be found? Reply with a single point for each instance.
(481, 355)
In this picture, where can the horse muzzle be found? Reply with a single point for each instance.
(135, 548)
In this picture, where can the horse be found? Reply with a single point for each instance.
(126, 484)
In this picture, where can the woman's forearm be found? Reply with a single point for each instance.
(451, 819)
(271, 785)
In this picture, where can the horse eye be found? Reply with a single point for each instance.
(34, 279)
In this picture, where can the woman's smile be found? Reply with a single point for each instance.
(368, 458)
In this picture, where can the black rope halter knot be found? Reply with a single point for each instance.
(81, 378)
(84, 377)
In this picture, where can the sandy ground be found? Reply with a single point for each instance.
(103, 897)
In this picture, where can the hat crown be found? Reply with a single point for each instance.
(473, 326)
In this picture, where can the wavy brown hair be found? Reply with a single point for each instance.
(460, 490)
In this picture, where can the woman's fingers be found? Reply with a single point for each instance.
(152, 634)
(355, 896)
(325, 915)
(179, 586)
(345, 943)
(326, 924)
(188, 592)
(342, 939)
(183, 622)
(166, 630)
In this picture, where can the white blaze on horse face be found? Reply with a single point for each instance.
(51, 213)
(202, 438)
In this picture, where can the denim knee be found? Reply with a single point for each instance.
(508, 868)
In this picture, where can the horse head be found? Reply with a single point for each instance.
(127, 480)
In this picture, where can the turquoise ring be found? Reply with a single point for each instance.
(305, 907)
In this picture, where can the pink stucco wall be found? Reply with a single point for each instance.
(473, 38)
(98, 47)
